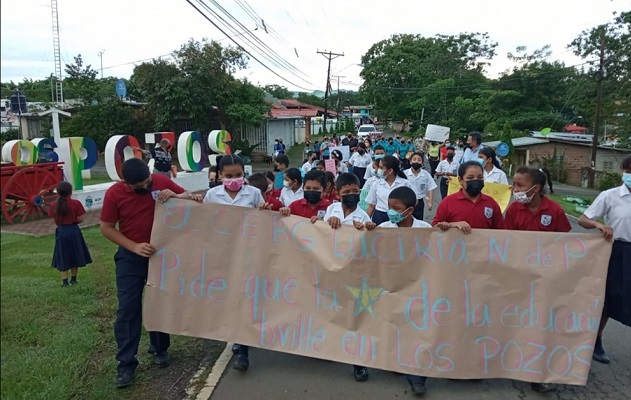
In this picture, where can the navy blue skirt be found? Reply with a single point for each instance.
(71, 251)
(618, 292)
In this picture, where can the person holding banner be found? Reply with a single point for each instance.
(469, 208)
(422, 183)
(531, 210)
(292, 187)
(446, 169)
(390, 178)
(614, 205)
(131, 204)
(313, 205)
(492, 171)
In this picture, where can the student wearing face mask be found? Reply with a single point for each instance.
(378, 153)
(131, 204)
(469, 208)
(446, 169)
(401, 204)
(292, 187)
(235, 192)
(313, 205)
(443, 149)
(422, 183)
(391, 147)
(260, 182)
(492, 171)
(614, 206)
(360, 160)
(340, 165)
(330, 193)
(390, 178)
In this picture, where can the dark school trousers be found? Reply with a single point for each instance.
(131, 276)
(419, 209)
(444, 187)
(433, 164)
(360, 172)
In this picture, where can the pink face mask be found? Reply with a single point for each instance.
(234, 185)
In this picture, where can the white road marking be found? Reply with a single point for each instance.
(215, 374)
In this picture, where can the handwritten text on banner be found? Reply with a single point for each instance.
(501, 304)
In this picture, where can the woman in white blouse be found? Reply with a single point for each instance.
(492, 171)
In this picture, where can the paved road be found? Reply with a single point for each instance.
(280, 376)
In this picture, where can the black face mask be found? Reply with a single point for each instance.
(474, 187)
(450, 157)
(144, 190)
(362, 152)
(313, 196)
(350, 200)
(416, 165)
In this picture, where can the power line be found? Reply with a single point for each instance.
(244, 50)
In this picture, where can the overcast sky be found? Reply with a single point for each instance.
(133, 30)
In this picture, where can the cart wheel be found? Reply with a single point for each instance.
(27, 193)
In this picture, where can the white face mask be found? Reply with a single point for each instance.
(270, 187)
(286, 184)
(522, 197)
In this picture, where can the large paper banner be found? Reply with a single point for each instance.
(437, 133)
(491, 304)
(500, 193)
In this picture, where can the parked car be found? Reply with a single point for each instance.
(367, 131)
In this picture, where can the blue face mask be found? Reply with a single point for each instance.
(481, 161)
(379, 156)
(394, 216)
(626, 178)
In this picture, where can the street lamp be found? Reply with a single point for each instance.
(101, 55)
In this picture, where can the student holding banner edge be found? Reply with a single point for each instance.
(614, 205)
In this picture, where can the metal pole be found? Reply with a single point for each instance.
(330, 56)
(101, 55)
(599, 96)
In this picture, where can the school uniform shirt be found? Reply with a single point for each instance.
(336, 210)
(422, 183)
(370, 173)
(248, 196)
(331, 197)
(306, 167)
(303, 209)
(458, 155)
(446, 166)
(288, 196)
(404, 148)
(391, 148)
(615, 206)
(276, 204)
(483, 214)
(360, 161)
(370, 183)
(162, 159)
(279, 178)
(550, 217)
(416, 224)
(134, 212)
(380, 191)
(342, 168)
(75, 210)
(496, 176)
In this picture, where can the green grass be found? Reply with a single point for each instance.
(569, 207)
(96, 179)
(59, 343)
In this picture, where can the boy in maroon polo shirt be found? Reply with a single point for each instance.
(469, 208)
(313, 205)
(131, 204)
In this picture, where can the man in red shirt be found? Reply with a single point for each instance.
(131, 204)
(469, 208)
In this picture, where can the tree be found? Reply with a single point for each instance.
(279, 92)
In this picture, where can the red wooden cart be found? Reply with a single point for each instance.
(28, 190)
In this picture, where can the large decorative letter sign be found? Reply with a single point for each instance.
(156, 137)
(46, 149)
(19, 152)
(117, 150)
(190, 151)
(218, 142)
(77, 154)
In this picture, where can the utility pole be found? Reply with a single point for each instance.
(330, 56)
(101, 55)
(599, 95)
(337, 108)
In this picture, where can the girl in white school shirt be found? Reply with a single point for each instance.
(235, 192)
(492, 171)
(390, 178)
(292, 187)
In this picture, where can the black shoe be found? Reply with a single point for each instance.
(162, 359)
(360, 374)
(235, 348)
(599, 352)
(73, 281)
(124, 378)
(418, 388)
(241, 363)
(63, 285)
(542, 387)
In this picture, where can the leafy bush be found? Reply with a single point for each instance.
(11, 134)
(609, 180)
(245, 147)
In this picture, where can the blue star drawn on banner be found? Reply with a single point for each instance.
(365, 297)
